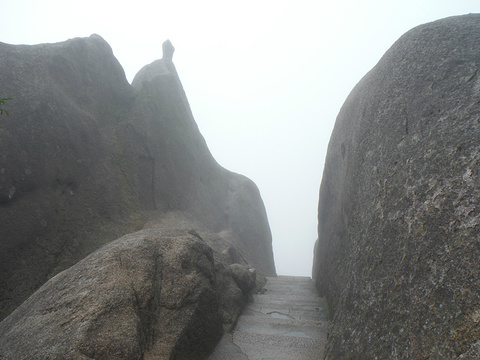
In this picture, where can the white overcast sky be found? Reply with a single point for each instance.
(265, 79)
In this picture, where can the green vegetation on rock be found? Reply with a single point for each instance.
(2, 103)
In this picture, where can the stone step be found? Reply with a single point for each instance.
(292, 299)
(276, 290)
(290, 287)
(287, 278)
(283, 312)
(248, 346)
(278, 347)
(286, 322)
(285, 327)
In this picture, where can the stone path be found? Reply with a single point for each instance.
(286, 322)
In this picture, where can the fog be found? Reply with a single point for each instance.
(265, 79)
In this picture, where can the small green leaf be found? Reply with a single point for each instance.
(2, 102)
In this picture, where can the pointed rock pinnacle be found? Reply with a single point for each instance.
(168, 50)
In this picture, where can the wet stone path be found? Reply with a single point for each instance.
(286, 322)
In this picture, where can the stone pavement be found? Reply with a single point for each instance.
(286, 322)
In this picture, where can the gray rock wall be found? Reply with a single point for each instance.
(398, 249)
(86, 158)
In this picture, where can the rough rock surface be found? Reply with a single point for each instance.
(147, 295)
(286, 321)
(399, 221)
(85, 158)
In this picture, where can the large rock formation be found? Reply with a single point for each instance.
(399, 221)
(147, 295)
(85, 158)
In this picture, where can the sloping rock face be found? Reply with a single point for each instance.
(398, 249)
(147, 295)
(85, 158)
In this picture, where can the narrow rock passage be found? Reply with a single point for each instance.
(287, 322)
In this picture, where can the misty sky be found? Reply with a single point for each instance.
(265, 79)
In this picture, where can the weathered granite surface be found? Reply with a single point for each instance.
(86, 158)
(148, 295)
(399, 221)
